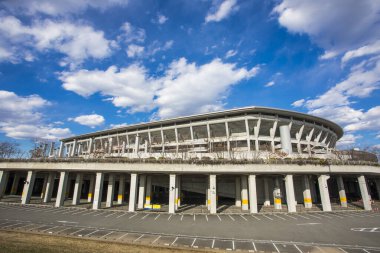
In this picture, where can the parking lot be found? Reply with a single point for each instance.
(350, 231)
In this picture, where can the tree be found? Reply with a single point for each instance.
(10, 150)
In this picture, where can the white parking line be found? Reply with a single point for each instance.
(254, 246)
(219, 218)
(63, 230)
(100, 213)
(206, 217)
(299, 250)
(276, 247)
(92, 232)
(110, 214)
(79, 212)
(194, 217)
(117, 217)
(181, 217)
(157, 217)
(267, 217)
(279, 217)
(25, 226)
(145, 216)
(12, 225)
(91, 212)
(77, 231)
(366, 251)
(174, 241)
(48, 229)
(106, 235)
(254, 216)
(343, 250)
(119, 238)
(314, 216)
(301, 216)
(231, 217)
(243, 217)
(138, 238)
(132, 216)
(335, 215)
(213, 243)
(192, 245)
(169, 217)
(288, 215)
(155, 240)
(233, 245)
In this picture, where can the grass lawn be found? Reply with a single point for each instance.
(27, 242)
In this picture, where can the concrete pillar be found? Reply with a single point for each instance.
(110, 190)
(252, 193)
(132, 193)
(61, 194)
(364, 193)
(307, 200)
(91, 188)
(290, 197)
(28, 187)
(49, 187)
(77, 188)
(244, 193)
(137, 144)
(97, 203)
(61, 149)
(148, 190)
(15, 183)
(286, 144)
(51, 151)
(90, 145)
(324, 192)
(120, 194)
(277, 194)
(377, 181)
(3, 181)
(172, 181)
(342, 191)
(44, 186)
(266, 192)
(142, 181)
(212, 194)
(73, 149)
(237, 192)
(177, 192)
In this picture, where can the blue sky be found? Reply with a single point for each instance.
(76, 66)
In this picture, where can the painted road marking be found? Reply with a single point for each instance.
(219, 218)
(45, 230)
(181, 217)
(254, 216)
(117, 217)
(231, 217)
(295, 246)
(206, 217)
(119, 238)
(213, 243)
(276, 248)
(314, 216)
(93, 232)
(192, 245)
(79, 212)
(370, 230)
(138, 238)
(290, 216)
(106, 235)
(169, 217)
(279, 217)
(145, 216)
(110, 214)
(267, 217)
(243, 218)
(310, 223)
(155, 240)
(132, 216)
(157, 217)
(254, 246)
(174, 241)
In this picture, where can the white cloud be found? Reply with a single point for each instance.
(131, 33)
(91, 120)
(222, 11)
(230, 53)
(362, 51)
(161, 19)
(21, 119)
(188, 88)
(134, 50)
(184, 88)
(336, 26)
(58, 8)
(76, 41)
(270, 84)
(118, 125)
(298, 103)
(348, 140)
(369, 120)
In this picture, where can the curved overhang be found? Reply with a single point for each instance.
(226, 113)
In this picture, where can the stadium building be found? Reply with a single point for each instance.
(249, 160)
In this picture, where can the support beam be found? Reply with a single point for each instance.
(252, 193)
(110, 190)
(307, 200)
(43, 191)
(132, 193)
(97, 203)
(142, 182)
(377, 181)
(61, 194)
(290, 197)
(77, 188)
(324, 192)
(172, 181)
(244, 193)
(266, 192)
(364, 193)
(121, 191)
(49, 187)
(342, 191)
(286, 143)
(3, 181)
(61, 149)
(16, 181)
(91, 188)
(213, 204)
(177, 192)
(237, 192)
(28, 187)
(277, 194)
(148, 190)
